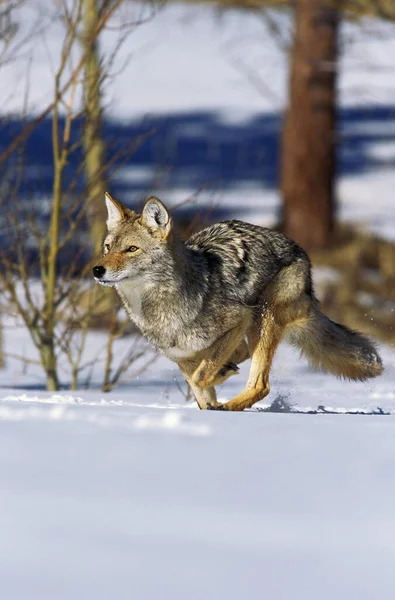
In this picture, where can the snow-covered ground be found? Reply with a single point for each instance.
(144, 502)
(136, 493)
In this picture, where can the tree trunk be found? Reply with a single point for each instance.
(308, 145)
(48, 361)
(92, 136)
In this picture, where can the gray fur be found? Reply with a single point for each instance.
(184, 296)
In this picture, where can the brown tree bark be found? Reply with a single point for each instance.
(308, 144)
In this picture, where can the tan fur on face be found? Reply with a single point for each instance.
(116, 261)
(149, 232)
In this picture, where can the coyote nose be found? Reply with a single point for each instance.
(98, 272)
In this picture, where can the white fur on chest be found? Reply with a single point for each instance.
(188, 348)
(175, 352)
(187, 343)
(131, 293)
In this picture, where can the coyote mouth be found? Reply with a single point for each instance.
(108, 282)
(105, 282)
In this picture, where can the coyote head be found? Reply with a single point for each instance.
(136, 244)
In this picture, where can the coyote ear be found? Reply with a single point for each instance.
(156, 218)
(117, 212)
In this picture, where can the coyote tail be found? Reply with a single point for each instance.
(335, 348)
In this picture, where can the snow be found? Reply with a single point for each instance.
(137, 493)
(276, 505)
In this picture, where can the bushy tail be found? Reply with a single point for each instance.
(335, 348)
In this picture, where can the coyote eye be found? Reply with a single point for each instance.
(132, 249)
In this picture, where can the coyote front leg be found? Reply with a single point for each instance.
(205, 398)
(215, 368)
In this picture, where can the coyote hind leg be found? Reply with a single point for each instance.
(263, 342)
(289, 301)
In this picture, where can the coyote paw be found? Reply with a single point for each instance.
(216, 407)
(222, 375)
(228, 370)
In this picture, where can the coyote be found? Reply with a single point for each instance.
(231, 292)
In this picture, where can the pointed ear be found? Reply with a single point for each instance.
(156, 218)
(117, 212)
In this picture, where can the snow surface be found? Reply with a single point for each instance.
(197, 506)
(137, 493)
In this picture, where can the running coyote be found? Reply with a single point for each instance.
(233, 291)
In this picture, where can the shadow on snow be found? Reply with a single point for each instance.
(192, 151)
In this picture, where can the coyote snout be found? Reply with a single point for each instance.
(106, 277)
